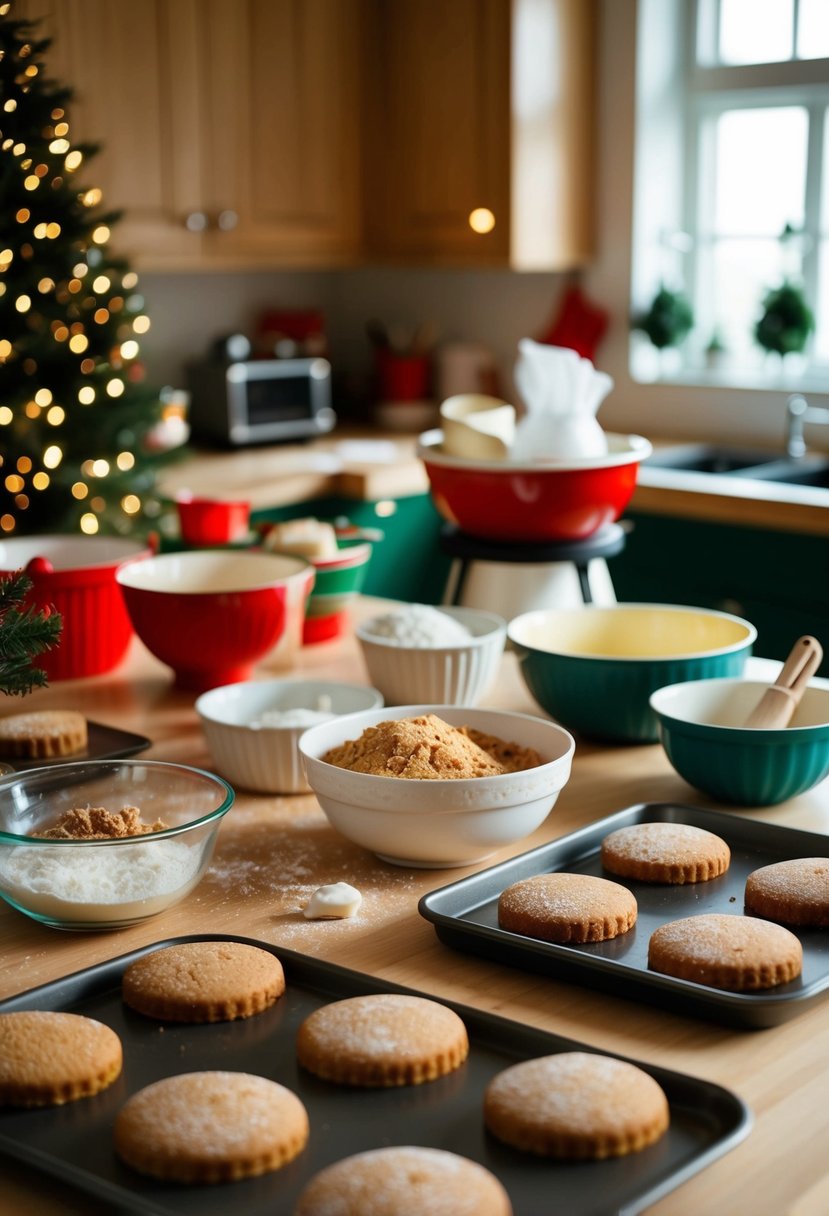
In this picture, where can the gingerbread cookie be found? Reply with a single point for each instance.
(203, 982)
(382, 1040)
(576, 1105)
(43, 734)
(567, 908)
(665, 853)
(737, 953)
(792, 892)
(48, 1058)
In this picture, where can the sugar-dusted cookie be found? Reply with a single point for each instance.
(43, 734)
(792, 892)
(737, 953)
(48, 1058)
(203, 982)
(576, 1105)
(665, 852)
(400, 1180)
(382, 1040)
(567, 908)
(207, 1127)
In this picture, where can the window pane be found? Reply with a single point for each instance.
(824, 189)
(756, 31)
(821, 339)
(813, 30)
(760, 170)
(742, 272)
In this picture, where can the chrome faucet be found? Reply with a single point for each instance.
(798, 413)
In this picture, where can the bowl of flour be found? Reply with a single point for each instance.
(103, 844)
(416, 652)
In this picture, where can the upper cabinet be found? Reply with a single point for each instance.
(322, 133)
(229, 131)
(480, 125)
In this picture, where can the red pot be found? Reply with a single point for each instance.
(76, 576)
(547, 501)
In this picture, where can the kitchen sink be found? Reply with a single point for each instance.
(717, 460)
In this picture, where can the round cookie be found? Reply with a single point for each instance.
(792, 892)
(209, 1127)
(203, 982)
(401, 1180)
(576, 1105)
(665, 853)
(567, 908)
(47, 1058)
(43, 734)
(382, 1040)
(737, 953)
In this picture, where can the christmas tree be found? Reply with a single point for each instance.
(79, 427)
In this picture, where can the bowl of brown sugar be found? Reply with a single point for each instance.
(436, 786)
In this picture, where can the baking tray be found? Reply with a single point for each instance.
(74, 1142)
(465, 915)
(103, 743)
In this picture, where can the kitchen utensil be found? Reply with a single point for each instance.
(702, 725)
(531, 500)
(98, 884)
(73, 1143)
(777, 704)
(438, 823)
(594, 668)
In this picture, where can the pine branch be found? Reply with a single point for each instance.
(25, 632)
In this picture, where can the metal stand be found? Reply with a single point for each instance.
(607, 542)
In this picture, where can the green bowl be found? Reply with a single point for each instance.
(593, 669)
(700, 724)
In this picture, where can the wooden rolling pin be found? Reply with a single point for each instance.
(777, 704)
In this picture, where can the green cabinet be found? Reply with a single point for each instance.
(777, 580)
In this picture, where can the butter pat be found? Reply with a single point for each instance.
(335, 902)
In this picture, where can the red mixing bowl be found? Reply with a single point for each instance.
(543, 501)
(212, 614)
(76, 575)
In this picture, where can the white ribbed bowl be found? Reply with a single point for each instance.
(266, 758)
(459, 674)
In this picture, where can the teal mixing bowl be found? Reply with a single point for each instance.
(700, 724)
(593, 669)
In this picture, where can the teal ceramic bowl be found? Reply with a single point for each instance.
(593, 669)
(700, 724)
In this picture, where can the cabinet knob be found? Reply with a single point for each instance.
(227, 220)
(196, 221)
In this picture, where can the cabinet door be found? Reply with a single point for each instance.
(229, 132)
(438, 122)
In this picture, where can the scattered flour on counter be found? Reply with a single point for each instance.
(99, 884)
(418, 625)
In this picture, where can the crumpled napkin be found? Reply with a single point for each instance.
(562, 392)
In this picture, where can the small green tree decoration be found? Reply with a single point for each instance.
(668, 320)
(786, 322)
(25, 632)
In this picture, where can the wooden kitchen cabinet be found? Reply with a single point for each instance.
(480, 105)
(229, 131)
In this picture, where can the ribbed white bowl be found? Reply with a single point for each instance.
(266, 758)
(459, 674)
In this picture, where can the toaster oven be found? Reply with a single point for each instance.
(239, 403)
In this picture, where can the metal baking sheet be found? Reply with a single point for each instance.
(465, 916)
(74, 1142)
(103, 743)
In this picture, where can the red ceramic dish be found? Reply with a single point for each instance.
(211, 521)
(542, 502)
(211, 615)
(76, 576)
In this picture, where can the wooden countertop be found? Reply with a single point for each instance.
(273, 852)
(368, 465)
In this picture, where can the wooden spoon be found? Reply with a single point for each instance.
(777, 704)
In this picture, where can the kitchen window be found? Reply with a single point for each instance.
(732, 183)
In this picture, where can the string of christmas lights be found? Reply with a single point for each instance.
(77, 420)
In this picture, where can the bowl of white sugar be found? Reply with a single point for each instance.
(103, 844)
(253, 728)
(447, 656)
